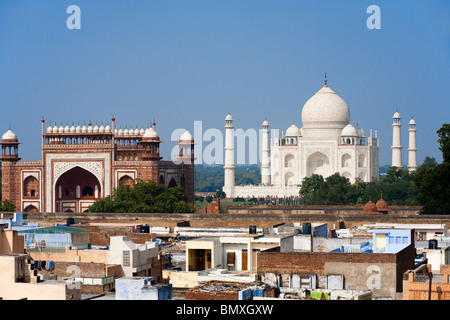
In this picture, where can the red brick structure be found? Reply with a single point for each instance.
(80, 165)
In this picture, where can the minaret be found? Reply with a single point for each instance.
(412, 150)
(265, 154)
(228, 186)
(396, 142)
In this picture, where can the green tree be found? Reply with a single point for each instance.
(444, 141)
(220, 195)
(428, 163)
(144, 197)
(433, 182)
(7, 206)
(434, 189)
(309, 188)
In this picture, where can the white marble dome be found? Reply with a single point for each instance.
(186, 136)
(9, 135)
(349, 131)
(150, 133)
(360, 132)
(292, 131)
(325, 110)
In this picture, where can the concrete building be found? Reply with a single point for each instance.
(141, 288)
(377, 266)
(19, 281)
(10, 241)
(422, 283)
(136, 260)
(235, 253)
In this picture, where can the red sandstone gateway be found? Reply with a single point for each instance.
(82, 164)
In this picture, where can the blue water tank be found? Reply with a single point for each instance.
(307, 228)
(144, 229)
(432, 244)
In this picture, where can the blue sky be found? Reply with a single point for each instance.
(180, 61)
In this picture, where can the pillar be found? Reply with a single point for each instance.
(412, 150)
(396, 142)
(228, 186)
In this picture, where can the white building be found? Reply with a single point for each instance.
(326, 143)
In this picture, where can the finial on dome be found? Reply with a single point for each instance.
(325, 80)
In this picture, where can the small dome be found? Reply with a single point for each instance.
(229, 117)
(370, 207)
(142, 131)
(66, 129)
(151, 133)
(78, 129)
(50, 129)
(9, 135)
(84, 129)
(396, 115)
(186, 136)
(89, 129)
(382, 205)
(412, 121)
(349, 131)
(61, 129)
(101, 129)
(107, 128)
(292, 131)
(136, 131)
(72, 129)
(55, 129)
(120, 132)
(95, 128)
(265, 123)
(359, 132)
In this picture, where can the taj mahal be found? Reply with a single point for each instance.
(327, 143)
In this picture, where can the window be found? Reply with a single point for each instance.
(126, 258)
(398, 240)
(405, 240)
(391, 240)
(88, 191)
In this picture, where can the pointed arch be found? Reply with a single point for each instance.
(126, 180)
(31, 187)
(172, 183)
(318, 163)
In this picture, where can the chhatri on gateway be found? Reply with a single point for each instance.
(327, 143)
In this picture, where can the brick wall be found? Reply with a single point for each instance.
(355, 267)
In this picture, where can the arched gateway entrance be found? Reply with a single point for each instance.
(76, 190)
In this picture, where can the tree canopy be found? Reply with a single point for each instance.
(144, 197)
(433, 181)
(396, 187)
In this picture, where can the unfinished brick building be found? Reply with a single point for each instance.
(80, 165)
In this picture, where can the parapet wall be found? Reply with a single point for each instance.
(261, 220)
